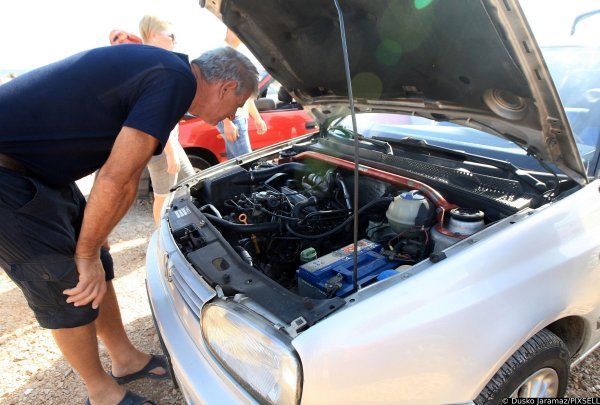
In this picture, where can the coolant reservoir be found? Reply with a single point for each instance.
(409, 209)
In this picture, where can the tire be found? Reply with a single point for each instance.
(544, 357)
(199, 163)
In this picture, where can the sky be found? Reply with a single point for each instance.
(34, 33)
(37, 32)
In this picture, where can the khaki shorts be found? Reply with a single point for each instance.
(162, 182)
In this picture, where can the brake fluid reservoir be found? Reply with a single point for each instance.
(463, 222)
(409, 209)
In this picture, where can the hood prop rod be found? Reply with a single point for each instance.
(352, 113)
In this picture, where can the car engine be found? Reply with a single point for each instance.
(292, 220)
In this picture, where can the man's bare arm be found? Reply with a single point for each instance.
(261, 126)
(112, 194)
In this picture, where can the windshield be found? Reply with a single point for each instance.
(395, 127)
(568, 33)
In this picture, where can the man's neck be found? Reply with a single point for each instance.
(200, 87)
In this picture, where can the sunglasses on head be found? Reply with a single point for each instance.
(170, 35)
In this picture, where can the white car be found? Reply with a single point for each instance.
(437, 243)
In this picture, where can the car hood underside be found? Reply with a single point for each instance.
(468, 61)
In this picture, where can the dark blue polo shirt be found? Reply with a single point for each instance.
(61, 120)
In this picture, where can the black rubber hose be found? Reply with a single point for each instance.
(340, 226)
(254, 176)
(243, 254)
(242, 228)
(303, 204)
(345, 191)
(212, 208)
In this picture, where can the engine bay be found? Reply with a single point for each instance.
(281, 230)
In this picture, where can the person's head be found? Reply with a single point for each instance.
(225, 80)
(157, 32)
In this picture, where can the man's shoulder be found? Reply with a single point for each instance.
(138, 61)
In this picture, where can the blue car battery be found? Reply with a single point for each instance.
(332, 274)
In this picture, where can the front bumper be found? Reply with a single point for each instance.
(200, 377)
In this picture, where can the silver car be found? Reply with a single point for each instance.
(437, 240)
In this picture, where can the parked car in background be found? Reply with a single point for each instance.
(443, 250)
(284, 117)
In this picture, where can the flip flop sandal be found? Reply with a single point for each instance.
(130, 399)
(155, 361)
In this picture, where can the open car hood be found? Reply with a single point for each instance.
(473, 62)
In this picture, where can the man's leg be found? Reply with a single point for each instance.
(37, 241)
(32, 216)
(126, 359)
(157, 207)
(79, 346)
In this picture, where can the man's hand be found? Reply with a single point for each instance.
(230, 130)
(261, 126)
(91, 286)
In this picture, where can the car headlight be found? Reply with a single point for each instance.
(258, 356)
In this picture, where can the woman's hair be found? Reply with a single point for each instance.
(150, 23)
(226, 63)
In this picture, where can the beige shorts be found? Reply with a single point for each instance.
(162, 182)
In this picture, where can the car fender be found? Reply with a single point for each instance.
(439, 332)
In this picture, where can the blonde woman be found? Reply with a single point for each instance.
(173, 164)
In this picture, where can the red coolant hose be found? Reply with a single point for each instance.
(438, 200)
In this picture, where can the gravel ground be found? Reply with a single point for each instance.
(32, 370)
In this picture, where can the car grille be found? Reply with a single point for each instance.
(186, 292)
(188, 289)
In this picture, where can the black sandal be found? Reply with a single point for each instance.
(130, 399)
(154, 362)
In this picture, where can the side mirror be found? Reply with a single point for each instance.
(264, 104)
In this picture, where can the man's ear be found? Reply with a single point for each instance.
(228, 86)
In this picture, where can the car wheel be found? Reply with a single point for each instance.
(540, 368)
(199, 163)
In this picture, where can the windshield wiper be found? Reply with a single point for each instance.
(503, 165)
(352, 135)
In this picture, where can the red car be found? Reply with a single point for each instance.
(284, 117)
